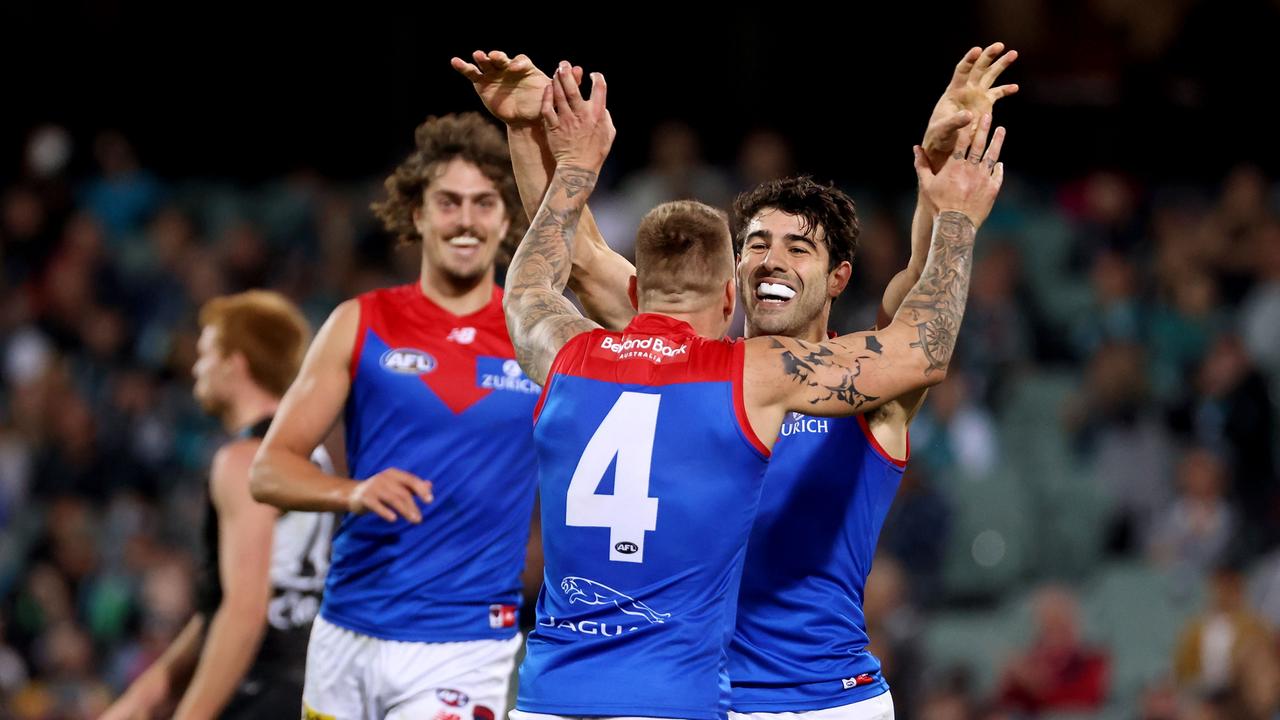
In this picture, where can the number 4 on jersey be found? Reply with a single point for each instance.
(626, 433)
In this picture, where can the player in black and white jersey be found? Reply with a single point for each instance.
(243, 654)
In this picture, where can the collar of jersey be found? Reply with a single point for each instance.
(419, 302)
(656, 324)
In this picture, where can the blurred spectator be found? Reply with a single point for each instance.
(1233, 414)
(999, 339)
(1194, 533)
(764, 155)
(1260, 315)
(1117, 315)
(916, 531)
(1058, 672)
(954, 433)
(124, 196)
(676, 171)
(1124, 441)
(1229, 651)
(894, 628)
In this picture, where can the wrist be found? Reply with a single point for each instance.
(957, 214)
(345, 497)
(522, 129)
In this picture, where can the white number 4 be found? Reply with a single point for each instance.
(626, 433)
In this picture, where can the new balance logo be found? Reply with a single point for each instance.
(462, 335)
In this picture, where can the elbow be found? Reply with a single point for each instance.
(260, 485)
(934, 375)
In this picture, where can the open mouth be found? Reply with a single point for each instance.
(464, 241)
(772, 293)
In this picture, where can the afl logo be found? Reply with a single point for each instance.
(626, 548)
(452, 698)
(407, 361)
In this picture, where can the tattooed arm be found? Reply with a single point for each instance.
(540, 319)
(511, 88)
(970, 94)
(855, 373)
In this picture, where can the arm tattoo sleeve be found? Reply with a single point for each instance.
(540, 318)
(935, 305)
(801, 361)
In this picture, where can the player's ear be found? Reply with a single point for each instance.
(838, 278)
(633, 294)
(730, 296)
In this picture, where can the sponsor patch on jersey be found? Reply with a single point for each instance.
(451, 697)
(853, 682)
(655, 349)
(502, 616)
(407, 361)
(796, 424)
(627, 548)
(482, 713)
(494, 373)
(589, 592)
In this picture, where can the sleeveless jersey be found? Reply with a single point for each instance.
(801, 638)
(649, 480)
(442, 397)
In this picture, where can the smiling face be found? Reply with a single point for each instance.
(462, 221)
(785, 279)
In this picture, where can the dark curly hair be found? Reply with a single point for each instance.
(818, 205)
(440, 139)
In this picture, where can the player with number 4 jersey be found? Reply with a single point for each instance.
(652, 442)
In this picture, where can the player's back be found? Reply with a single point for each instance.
(649, 478)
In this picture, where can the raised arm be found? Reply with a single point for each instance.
(511, 89)
(968, 97)
(858, 372)
(579, 133)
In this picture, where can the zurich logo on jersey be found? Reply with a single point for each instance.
(407, 361)
(504, 374)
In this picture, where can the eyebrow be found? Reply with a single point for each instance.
(789, 237)
(473, 196)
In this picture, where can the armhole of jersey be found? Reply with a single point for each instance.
(738, 360)
(556, 363)
(875, 444)
(537, 409)
(357, 347)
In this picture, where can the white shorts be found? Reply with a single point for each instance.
(356, 677)
(879, 707)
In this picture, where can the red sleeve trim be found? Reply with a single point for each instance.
(875, 444)
(738, 359)
(357, 347)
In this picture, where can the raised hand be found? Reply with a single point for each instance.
(968, 97)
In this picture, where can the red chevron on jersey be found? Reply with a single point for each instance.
(407, 321)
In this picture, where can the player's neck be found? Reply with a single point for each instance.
(251, 406)
(705, 323)
(460, 297)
